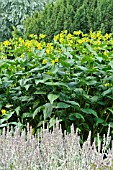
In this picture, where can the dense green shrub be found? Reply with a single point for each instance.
(72, 15)
(13, 12)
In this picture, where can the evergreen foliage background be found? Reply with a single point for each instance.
(13, 12)
(71, 15)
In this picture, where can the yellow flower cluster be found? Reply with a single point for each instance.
(54, 61)
(74, 40)
(3, 111)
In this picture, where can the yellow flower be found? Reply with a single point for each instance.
(39, 46)
(44, 61)
(31, 35)
(20, 39)
(79, 41)
(22, 56)
(56, 37)
(28, 44)
(85, 39)
(44, 44)
(107, 84)
(61, 40)
(53, 62)
(107, 36)
(3, 111)
(77, 32)
(42, 35)
(105, 53)
(47, 51)
(70, 36)
(2, 57)
(56, 60)
(6, 43)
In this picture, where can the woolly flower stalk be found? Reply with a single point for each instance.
(53, 150)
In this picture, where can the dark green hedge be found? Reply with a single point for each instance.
(72, 15)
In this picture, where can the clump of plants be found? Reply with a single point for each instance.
(19, 149)
(70, 78)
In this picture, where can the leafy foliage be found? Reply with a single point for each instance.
(70, 78)
(72, 15)
(13, 12)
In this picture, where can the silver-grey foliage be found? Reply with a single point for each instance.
(53, 150)
(13, 12)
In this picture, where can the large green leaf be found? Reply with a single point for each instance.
(73, 116)
(89, 111)
(26, 115)
(98, 121)
(62, 105)
(52, 97)
(47, 111)
(73, 103)
(110, 90)
(37, 110)
(17, 110)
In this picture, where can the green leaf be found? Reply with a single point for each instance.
(73, 103)
(37, 110)
(89, 111)
(73, 116)
(0, 106)
(54, 70)
(56, 84)
(111, 64)
(2, 120)
(39, 92)
(28, 114)
(110, 90)
(47, 111)
(17, 110)
(98, 121)
(62, 105)
(39, 81)
(52, 122)
(27, 86)
(52, 97)
(111, 124)
(90, 48)
(110, 110)
(8, 116)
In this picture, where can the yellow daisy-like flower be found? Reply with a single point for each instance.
(56, 60)
(56, 37)
(31, 35)
(61, 40)
(2, 57)
(44, 61)
(6, 43)
(107, 84)
(107, 36)
(39, 46)
(3, 111)
(70, 36)
(80, 41)
(77, 32)
(47, 51)
(42, 35)
(53, 62)
(105, 53)
(22, 56)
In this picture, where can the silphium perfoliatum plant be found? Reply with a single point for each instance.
(70, 78)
